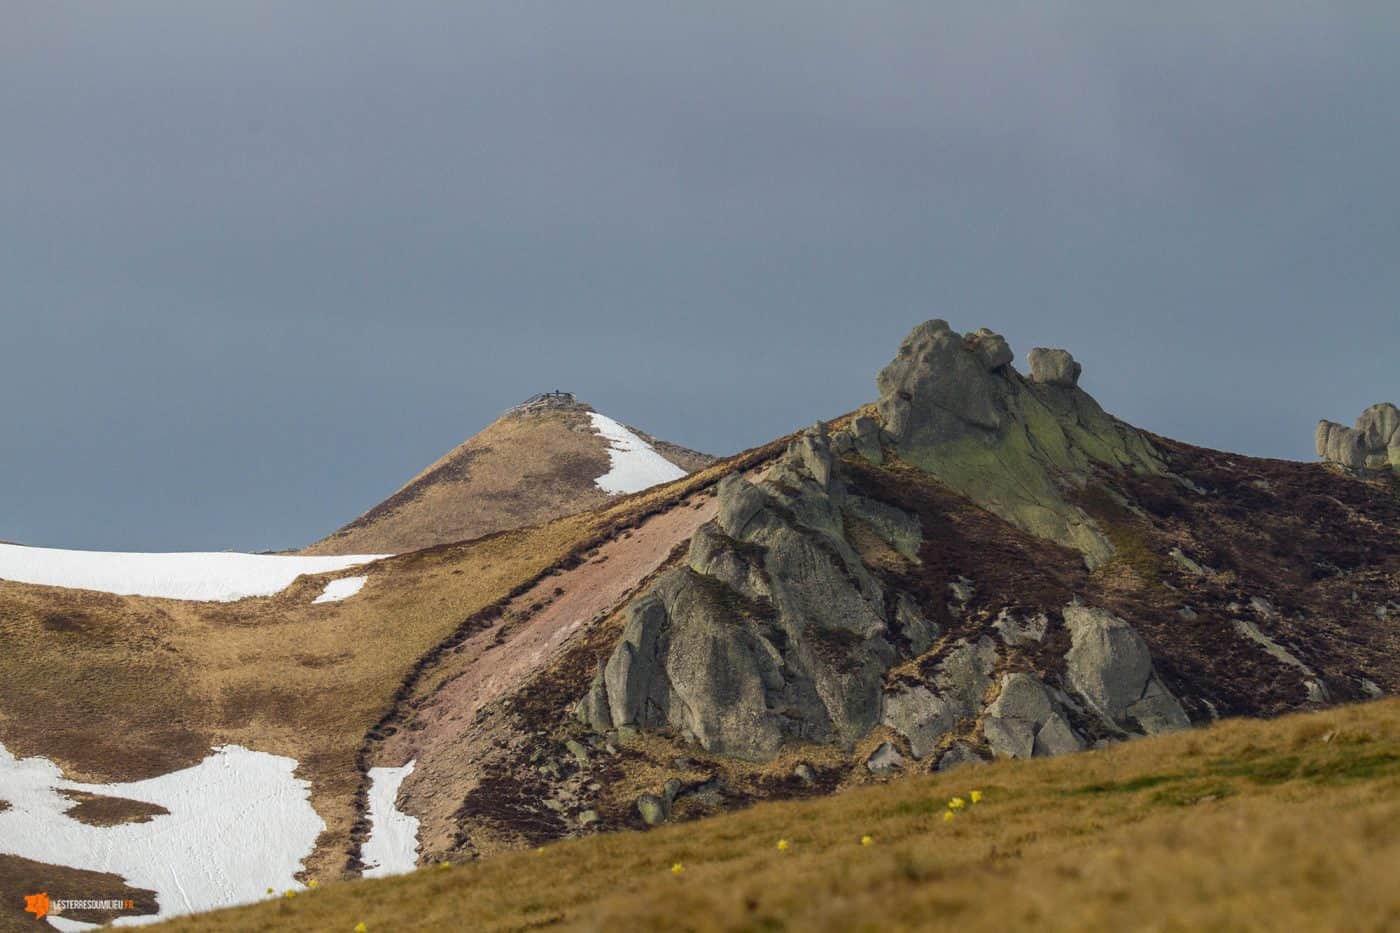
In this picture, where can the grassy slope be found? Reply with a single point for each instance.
(1245, 825)
(124, 688)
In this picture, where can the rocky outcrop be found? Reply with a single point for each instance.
(1053, 367)
(1109, 665)
(1024, 721)
(772, 629)
(952, 404)
(1373, 444)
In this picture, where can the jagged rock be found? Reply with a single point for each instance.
(953, 405)
(1109, 665)
(1053, 367)
(1020, 630)
(916, 629)
(804, 773)
(577, 749)
(671, 790)
(920, 716)
(923, 714)
(588, 818)
(772, 629)
(652, 809)
(960, 753)
(1179, 557)
(865, 432)
(962, 589)
(1374, 443)
(885, 759)
(1317, 691)
(1024, 721)
(895, 527)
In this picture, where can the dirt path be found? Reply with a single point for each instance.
(490, 665)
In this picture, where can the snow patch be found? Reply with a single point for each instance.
(344, 588)
(240, 822)
(392, 846)
(635, 464)
(213, 576)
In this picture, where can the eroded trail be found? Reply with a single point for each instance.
(443, 726)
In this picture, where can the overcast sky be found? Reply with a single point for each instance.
(260, 262)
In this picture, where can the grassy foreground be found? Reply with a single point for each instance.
(1293, 824)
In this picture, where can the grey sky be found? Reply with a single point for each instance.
(260, 262)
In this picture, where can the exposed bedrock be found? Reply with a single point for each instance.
(1373, 444)
(772, 629)
(953, 405)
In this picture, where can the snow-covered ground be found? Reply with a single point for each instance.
(392, 846)
(215, 576)
(344, 588)
(240, 822)
(635, 464)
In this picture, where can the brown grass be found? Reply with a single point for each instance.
(1247, 825)
(117, 688)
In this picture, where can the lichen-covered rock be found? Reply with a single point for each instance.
(920, 716)
(865, 432)
(953, 405)
(1110, 666)
(917, 630)
(1025, 721)
(652, 809)
(1053, 367)
(897, 528)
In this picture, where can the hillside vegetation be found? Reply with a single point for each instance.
(1243, 825)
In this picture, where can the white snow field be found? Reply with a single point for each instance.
(344, 588)
(240, 822)
(635, 464)
(392, 846)
(213, 576)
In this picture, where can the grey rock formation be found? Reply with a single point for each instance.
(1109, 665)
(960, 753)
(773, 629)
(923, 714)
(1374, 443)
(1020, 629)
(1025, 721)
(1053, 367)
(897, 528)
(918, 631)
(884, 759)
(953, 405)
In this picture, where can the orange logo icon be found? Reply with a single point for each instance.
(37, 904)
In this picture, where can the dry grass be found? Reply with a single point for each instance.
(123, 688)
(1245, 825)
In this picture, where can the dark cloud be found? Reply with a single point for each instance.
(260, 262)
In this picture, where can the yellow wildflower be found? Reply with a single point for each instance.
(289, 893)
(677, 868)
(443, 866)
(957, 803)
(866, 840)
(782, 845)
(311, 884)
(976, 796)
(361, 928)
(270, 891)
(947, 816)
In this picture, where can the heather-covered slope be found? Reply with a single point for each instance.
(548, 457)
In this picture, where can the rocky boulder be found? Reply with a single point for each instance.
(1110, 666)
(1053, 367)
(1025, 721)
